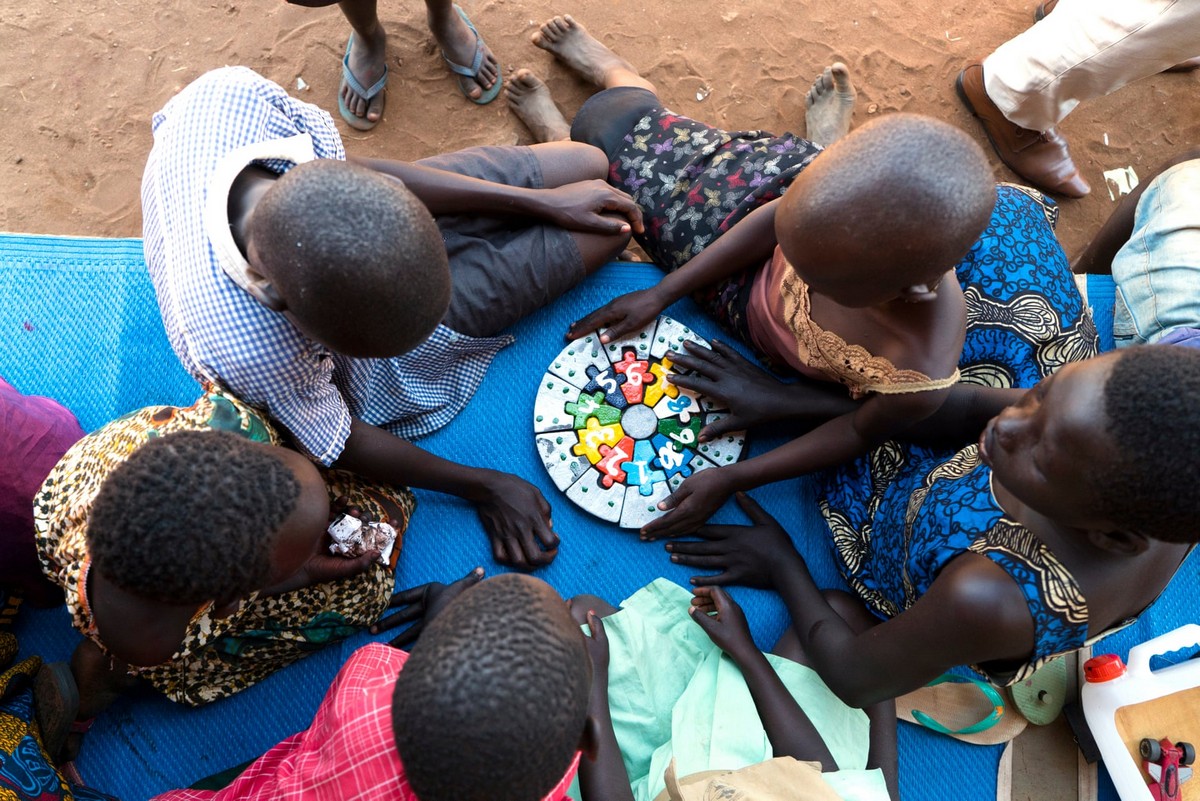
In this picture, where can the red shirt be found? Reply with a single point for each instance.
(349, 751)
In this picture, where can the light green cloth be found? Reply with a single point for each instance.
(674, 695)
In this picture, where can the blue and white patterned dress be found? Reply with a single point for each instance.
(901, 513)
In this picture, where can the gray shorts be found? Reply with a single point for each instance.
(504, 268)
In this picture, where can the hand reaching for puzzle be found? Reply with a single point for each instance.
(622, 316)
(751, 556)
(516, 518)
(698, 497)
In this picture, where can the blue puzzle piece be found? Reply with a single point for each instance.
(670, 458)
(609, 382)
(638, 470)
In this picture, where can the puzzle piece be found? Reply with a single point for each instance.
(592, 406)
(572, 363)
(685, 435)
(609, 382)
(638, 470)
(638, 510)
(670, 335)
(612, 459)
(725, 450)
(670, 457)
(683, 405)
(659, 385)
(548, 413)
(595, 435)
(639, 343)
(590, 495)
(696, 464)
(555, 450)
(634, 370)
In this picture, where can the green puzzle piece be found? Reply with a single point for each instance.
(592, 406)
(686, 435)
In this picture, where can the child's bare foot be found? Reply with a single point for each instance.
(529, 98)
(830, 105)
(570, 42)
(458, 42)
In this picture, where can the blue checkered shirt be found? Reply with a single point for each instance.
(222, 333)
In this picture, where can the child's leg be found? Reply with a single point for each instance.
(569, 162)
(458, 43)
(882, 715)
(574, 46)
(368, 55)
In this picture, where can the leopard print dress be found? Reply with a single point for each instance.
(218, 656)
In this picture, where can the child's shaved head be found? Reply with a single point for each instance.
(492, 703)
(356, 258)
(895, 203)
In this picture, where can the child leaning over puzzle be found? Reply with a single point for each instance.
(504, 699)
(848, 277)
(491, 704)
(687, 708)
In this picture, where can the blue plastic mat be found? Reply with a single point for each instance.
(79, 323)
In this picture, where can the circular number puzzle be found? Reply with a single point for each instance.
(615, 434)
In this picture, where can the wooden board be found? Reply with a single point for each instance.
(1175, 716)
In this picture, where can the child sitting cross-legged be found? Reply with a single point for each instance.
(836, 263)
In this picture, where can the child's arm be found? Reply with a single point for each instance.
(880, 418)
(514, 513)
(973, 612)
(581, 206)
(754, 397)
(602, 775)
(748, 243)
(788, 727)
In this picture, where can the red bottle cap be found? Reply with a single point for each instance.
(1105, 667)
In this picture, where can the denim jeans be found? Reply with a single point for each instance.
(1157, 272)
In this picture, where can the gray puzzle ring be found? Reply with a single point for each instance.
(615, 436)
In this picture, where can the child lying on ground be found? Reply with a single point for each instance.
(848, 277)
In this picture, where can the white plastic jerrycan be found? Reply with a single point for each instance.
(1125, 704)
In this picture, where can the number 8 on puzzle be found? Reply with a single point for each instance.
(615, 434)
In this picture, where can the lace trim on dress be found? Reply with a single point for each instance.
(850, 365)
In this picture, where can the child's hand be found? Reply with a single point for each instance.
(421, 605)
(698, 497)
(592, 206)
(753, 395)
(623, 316)
(748, 555)
(728, 628)
(516, 517)
(597, 648)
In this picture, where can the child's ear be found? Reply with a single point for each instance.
(264, 291)
(589, 740)
(918, 293)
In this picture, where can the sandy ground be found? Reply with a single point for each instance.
(80, 80)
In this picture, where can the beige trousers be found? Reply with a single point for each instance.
(1086, 49)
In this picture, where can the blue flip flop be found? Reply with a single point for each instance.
(353, 120)
(472, 71)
